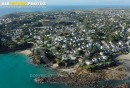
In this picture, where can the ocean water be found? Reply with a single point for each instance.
(16, 72)
(8, 10)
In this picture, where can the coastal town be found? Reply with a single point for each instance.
(87, 39)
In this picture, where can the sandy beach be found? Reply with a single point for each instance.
(26, 52)
(68, 70)
(124, 57)
(125, 60)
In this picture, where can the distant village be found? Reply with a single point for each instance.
(91, 39)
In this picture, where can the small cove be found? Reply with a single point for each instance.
(17, 72)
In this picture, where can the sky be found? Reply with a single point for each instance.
(79, 2)
(88, 2)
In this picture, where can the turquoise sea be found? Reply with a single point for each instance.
(17, 72)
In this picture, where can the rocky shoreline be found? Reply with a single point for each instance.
(73, 79)
(84, 78)
(80, 77)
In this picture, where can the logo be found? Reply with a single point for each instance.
(22, 4)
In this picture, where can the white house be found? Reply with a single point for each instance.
(88, 62)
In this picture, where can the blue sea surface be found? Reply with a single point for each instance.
(16, 72)
(8, 10)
